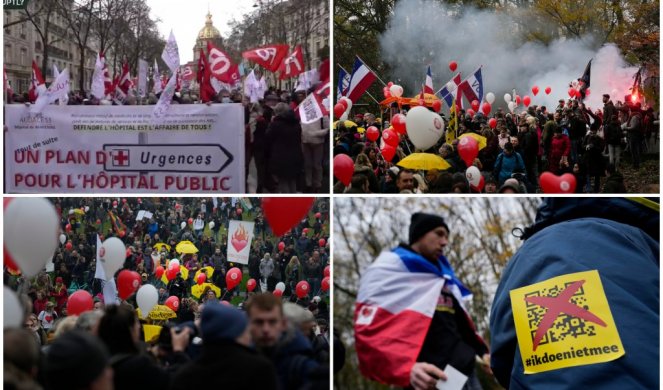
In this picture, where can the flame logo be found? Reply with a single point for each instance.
(241, 234)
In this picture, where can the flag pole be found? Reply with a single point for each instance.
(368, 93)
(374, 72)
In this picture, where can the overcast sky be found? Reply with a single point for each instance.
(187, 18)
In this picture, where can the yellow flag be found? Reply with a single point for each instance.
(452, 129)
(565, 321)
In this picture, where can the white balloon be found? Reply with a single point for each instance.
(183, 225)
(396, 90)
(512, 106)
(211, 225)
(280, 286)
(507, 98)
(63, 239)
(31, 232)
(423, 127)
(147, 298)
(12, 310)
(473, 175)
(112, 255)
(490, 97)
(87, 208)
(174, 261)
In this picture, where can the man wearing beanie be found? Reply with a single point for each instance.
(76, 361)
(227, 359)
(410, 319)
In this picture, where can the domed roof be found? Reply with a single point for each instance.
(209, 31)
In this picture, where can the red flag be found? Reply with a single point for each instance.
(269, 57)
(220, 65)
(108, 83)
(37, 85)
(124, 82)
(204, 74)
(292, 65)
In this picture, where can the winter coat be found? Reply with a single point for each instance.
(284, 146)
(612, 133)
(619, 240)
(315, 132)
(529, 142)
(559, 147)
(266, 267)
(226, 365)
(593, 155)
(139, 371)
(507, 165)
(294, 360)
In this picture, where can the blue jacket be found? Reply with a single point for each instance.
(619, 238)
(506, 165)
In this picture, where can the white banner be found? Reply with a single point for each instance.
(240, 234)
(103, 149)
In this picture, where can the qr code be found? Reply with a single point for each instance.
(564, 325)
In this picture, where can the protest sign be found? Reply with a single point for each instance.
(240, 234)
(82, 149)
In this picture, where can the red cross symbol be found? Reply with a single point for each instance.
(121, 158)
(558, 305)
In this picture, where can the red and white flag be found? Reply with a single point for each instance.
(269, 57)
(428, 87)
(397, 299)
(124, 82)
(292, 65)
(37, 85)
(221, 66)
(316, 105)
(362, 78)
(204, 76)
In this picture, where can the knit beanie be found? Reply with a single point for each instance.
(222, 323)
(422, 223)
(74, 360)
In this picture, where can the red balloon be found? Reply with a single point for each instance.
(277, 293)
(388, 152)
(69, 246)
(527, 101)
(190, 221)
(390, 137)
(178, 206)
(437, 106)
(338, 110)
(385, 92)
(302, 289)
(344, 103)
(283, 214)
(475, 105)
(492, 122)
(173, 303)
(121, 233)
(468, 149)
(324, 286)
(79, 302)
(389, 84)
(239, 212)
(158, 271)
(553, 184)
(318, 215)
(471, 113)
(321, 242)
(326, 271)
(9, 261)
(453, 65)
(171, 273)
(305, 230)
(572, 92)
(535, 90)
(281, 246)
(548, 90)
(251, 285)
(233, 277)
(398, 123)
(115, 203)
(67, 227)
(587, 91)
(485, 108)
(202, 277)
(517, 100)
(344, 168)
(128, 252)
(128, 283)
(372, 133)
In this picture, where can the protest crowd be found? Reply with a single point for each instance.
(213, 321)
(526, 148)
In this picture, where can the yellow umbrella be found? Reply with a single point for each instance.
(424, 161)
(160, 245)
(183, 270)
(480, 139)
(360, 130)
(186, 247)
(208, 271)
(159, 313)
(79, 212)
(151, 332)
(346, 123)
(198, 290)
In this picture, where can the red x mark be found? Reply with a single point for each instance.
(558, 305)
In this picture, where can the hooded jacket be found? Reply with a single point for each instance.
(618, 238)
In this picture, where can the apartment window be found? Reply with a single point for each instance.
(38, 45)
(24, 56)
(21, 30)
(8, 52)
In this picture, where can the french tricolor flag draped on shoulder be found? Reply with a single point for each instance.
(397, 298)
(428, 86)
(362, 78)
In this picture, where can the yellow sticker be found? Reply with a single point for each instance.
(564, 322)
